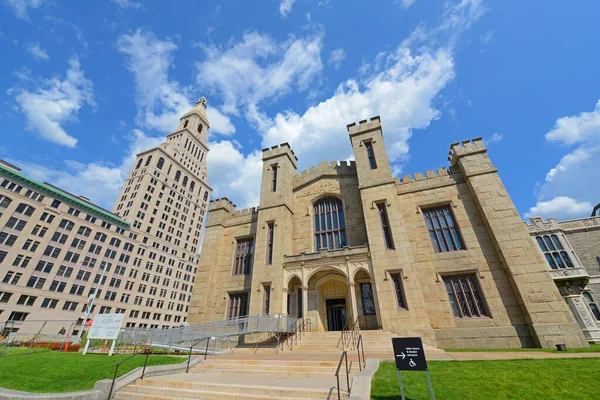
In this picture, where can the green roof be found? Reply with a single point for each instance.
(63, 196)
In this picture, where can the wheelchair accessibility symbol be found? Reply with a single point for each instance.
(412, 363)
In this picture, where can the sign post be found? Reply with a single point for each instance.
(105, 326)
(410, 356)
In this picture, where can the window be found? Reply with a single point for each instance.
(55, 203)
(442, 229)
(385, 225)
(70, 306)
(270, 237)
(274, 181)
(58, 286)
(161, 163)
(329, 224)
(555, 254)
(16, 224)
(177, 176)
(3, 255)
(77, 290)
(148, 160)
(185, 181)
(64, 271)
(370, 154)
(465, 297)
(4, 201)
(21, 261)
(266, 299)
(399, 290)
(47, 217)
(36, 282)
(49, 303)
(139, 164)
(12, 277)
(5, 296)
(44, 266)
(238, 305)
(73, 212)
(18, 316)
(243, 256)
(6, 239)
(66, 224)
(589, 299)
(84, 231)
(25, 209)
(25, 300)
(368, 302)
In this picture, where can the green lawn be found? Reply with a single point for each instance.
(47, 371)
(594, 348)
(493, 380)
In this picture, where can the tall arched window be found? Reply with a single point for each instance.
(185, 124)
(205, 196)
(139, 164)
(148, 161)
(185, 180)
(329, 224)
(177, 176)
(161, 163)
(192, 186)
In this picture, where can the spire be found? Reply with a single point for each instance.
(199, 109)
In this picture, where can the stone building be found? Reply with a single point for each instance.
(55, 246)
(572, 253)
(443, 255)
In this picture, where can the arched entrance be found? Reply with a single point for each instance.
(329, 302)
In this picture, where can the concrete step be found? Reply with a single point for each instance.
(225, 391)
(266, 367)
(220, 361)
(262, 372)
(210, 395)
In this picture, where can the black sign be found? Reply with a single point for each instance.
(409, 354)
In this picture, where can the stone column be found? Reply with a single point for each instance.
(284, 301)
(353, 306)
(304, 301)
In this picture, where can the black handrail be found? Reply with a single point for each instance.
(187, 368)
(359, 347)
(337, 373)
(112, 385)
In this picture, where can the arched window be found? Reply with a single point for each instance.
(205, 196)
(329, 224)
(161, 163)
(177, 176)
(185, 124)
(185, 180)
(200, 128)
(192, 186)
(139, 164)
(148, 161)
(553, 250)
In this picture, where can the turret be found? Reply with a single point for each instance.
(279, 169)
(372, 164)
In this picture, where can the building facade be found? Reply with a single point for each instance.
(572, 253)
(57, 249)
(443, 255)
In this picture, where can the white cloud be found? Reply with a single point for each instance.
(259, 68)
(336, 57)
(37, 52)
(576, 174)
(125, 4)
(99, 181)
(285, 7)
(234, 175)
(494, 138)
(56, 103)
(160, 100)
(560, 207)
(21, 7)
(401, 86)
(405, 3)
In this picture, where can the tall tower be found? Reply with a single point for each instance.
(165, 197)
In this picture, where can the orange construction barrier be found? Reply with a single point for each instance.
(67, 342)
(104, 347)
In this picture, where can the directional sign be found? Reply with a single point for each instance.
(409, 354)
(106, 326)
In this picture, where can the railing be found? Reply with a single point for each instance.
(348, 337)
(298, 329)
(359, 348)
(187, 368)
(337, 373)
(112, 385)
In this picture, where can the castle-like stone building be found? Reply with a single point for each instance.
(442, 255)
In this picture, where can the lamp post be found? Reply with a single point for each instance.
(90, 303)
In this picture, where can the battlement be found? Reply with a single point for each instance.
(245, 211)
(282, 149)
(222, 202)
(465, 147)
(364, 126)
(419, 176)
(334, 168)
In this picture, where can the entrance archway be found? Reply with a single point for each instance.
(329, 302)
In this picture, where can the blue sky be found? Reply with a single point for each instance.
(86, 85)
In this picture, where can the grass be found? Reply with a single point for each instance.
(546, 379)
(594, 348)
(47, 372)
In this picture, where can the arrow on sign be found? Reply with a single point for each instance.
(401, 355)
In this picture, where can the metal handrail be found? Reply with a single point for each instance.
(112, 385)
(337, 373)
(359, 347)
(187, 368)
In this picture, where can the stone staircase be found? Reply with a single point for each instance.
(221, 378)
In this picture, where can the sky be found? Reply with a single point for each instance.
(84, 86)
